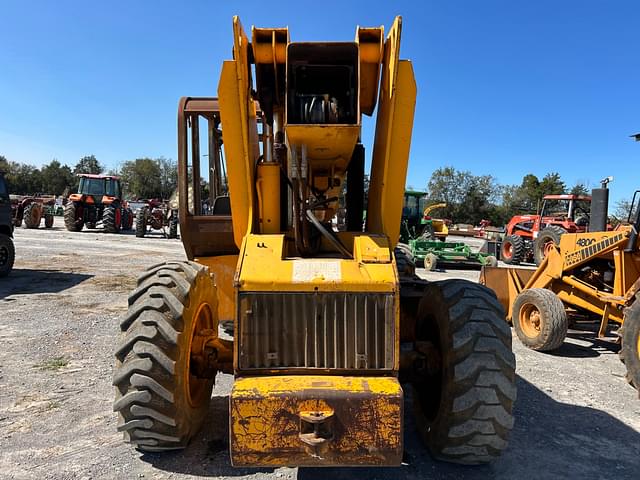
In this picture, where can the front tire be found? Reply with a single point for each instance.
(540, 319)
(141, 222)
(513, 250)
(48, 220)
(7, 255)
(464, 400)
(161, 404)
(630, 349)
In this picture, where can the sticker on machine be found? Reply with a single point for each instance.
(316, 270)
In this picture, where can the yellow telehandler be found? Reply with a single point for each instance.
(327, 324)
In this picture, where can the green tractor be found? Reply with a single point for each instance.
(99, 202)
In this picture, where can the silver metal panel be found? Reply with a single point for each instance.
(316, 330)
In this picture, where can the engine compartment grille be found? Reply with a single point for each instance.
(316, 330)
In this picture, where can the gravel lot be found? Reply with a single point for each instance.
(576, 417)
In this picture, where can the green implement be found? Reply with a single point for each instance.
(434, 253)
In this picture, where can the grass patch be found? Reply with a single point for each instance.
(53, 364)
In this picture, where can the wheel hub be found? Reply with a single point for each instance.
(530, 320)
(195, 384)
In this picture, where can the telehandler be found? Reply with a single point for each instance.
(326, 326)
(595, 273)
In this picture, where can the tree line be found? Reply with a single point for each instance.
(471, 198)
(141, 178)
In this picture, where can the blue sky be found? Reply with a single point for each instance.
(505, 87)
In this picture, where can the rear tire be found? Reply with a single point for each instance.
(546, 239)
(630, 349)
(540, 319)
(111, 219)
(32, 215)
(141, 223)
(161, 405)
(512, 250)
(464, 401)
(72, 216)
(7, 255)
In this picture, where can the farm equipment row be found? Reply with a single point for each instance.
(32, 210)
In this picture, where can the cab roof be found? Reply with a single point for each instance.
(93, 175)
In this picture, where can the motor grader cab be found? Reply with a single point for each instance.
(596, 274)
(319, 315)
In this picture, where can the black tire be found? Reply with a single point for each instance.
(48, 220)
(153, 398)
(90, 225)
(141, 223)
(513, 250)
(173, 227)
(7, 255)
(550, 234)
(464, 405)
(404, 260)
(430, 262)
(540, 319)
(109, 219)
(71, 220)
(32, 216)
(630, 348)
(127, 219)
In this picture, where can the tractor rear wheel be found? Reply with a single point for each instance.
(141, 222)
(547, 239)
(404, 260)
(540, 319)
(160, 401)
(32, 215)
(48, 220)
(465, 389)
(7, 255)
(73, 220)
(630, 349)
(512, 250)
(112, 219)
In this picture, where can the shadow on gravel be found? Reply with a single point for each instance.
(550, 440)
(208, 453)
(26, 281)
(587, 333)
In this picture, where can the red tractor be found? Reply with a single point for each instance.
(98, 201)
(157, 215)
(32, 210)
(529, 237)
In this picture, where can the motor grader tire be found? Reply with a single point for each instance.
(141, 223)
(540, 319)
(32, 215)
(72, 218)
(630, 348)
(404, 260)
(512, 251)
(547, 239)
(430, 262)
(464, 397)
(112, 219)
(161, 404)
(48, 220)
(7, 255)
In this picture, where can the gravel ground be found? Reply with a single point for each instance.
(576, 417)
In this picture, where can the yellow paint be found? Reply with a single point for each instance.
(223, 269)
(328, 146)
(371, 49)
(366, 420)
(265, 268)
(396, 107)
(268, 189)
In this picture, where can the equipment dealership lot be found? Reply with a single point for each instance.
(576, 417)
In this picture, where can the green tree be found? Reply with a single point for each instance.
(142, 177)
(88, 164)
(57, 178)
(580, 188)
(168, 176)
(552, 184)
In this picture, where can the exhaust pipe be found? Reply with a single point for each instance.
(599, 206)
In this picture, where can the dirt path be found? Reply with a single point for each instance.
(575, 417)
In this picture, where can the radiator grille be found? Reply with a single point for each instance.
(316, 330)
